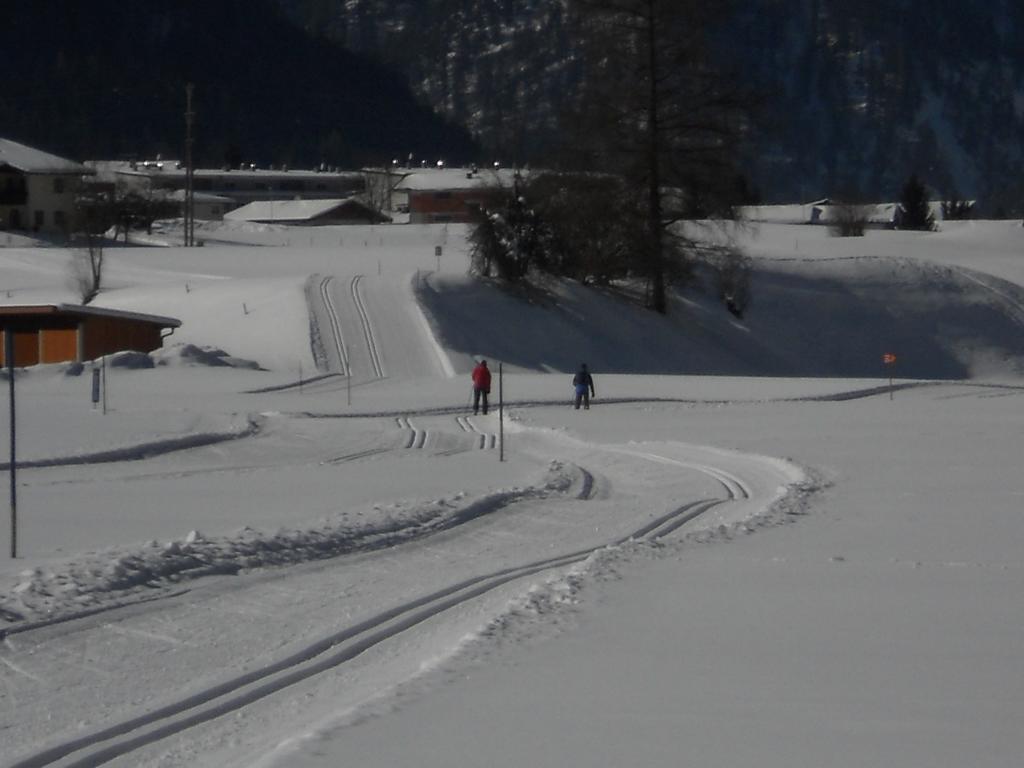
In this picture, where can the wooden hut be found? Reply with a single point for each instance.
(58, 333)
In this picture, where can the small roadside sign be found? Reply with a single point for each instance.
(889, 360)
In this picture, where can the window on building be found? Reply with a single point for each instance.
(58, 185)
(39, 220)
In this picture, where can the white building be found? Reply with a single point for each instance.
(37, 189)
(237, 186)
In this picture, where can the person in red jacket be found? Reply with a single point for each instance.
(481, 386)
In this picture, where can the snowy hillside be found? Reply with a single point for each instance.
(288, 541)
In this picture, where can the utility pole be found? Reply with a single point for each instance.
(501, 414)
(9, 357)
(190, 211)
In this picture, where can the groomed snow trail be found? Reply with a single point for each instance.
(367, 622)
(370, 329)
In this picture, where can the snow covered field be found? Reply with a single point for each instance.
(749, 552)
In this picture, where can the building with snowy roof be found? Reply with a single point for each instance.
(59, 333)
(432, 195)
(239, 185)
(37, 189)
(308, 213)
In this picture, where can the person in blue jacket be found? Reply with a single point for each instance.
(583, 384)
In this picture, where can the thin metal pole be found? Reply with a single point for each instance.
(190, 216)
(9, 356)
(501, 414)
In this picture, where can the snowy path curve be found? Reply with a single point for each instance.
(729, 480)
(122, 738)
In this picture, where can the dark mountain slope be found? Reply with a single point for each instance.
(857, 94)
(106, 78)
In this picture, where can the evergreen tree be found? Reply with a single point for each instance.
(509, 239)
(914, 209)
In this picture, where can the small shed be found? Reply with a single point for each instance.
(59, 333)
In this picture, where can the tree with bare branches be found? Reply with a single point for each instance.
(85, 269)
(660, 113)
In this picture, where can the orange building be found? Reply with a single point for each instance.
(59, 333)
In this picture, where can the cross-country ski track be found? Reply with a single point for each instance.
(239, 673)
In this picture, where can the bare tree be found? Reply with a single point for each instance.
(733, 270)
(848, 218)
(665, 117)
(593, 222)
(86, 268)
(97, 212)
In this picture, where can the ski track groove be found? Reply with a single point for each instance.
(357, 455)
(991, 284)
(364, 318)
(327, 653)
(484, 438)
(335, 323)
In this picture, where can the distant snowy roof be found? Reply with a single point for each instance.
(291, 210)
(177, 169)
(31, 160)
(454, 178)
(179, 196)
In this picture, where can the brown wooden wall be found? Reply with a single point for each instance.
(60, 339)
(105, 335)
(58, 345)
(454, 205)
(26, 346)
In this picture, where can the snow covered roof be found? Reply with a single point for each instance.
(822, 210)
(179, 196)
(176, 169)
(293, 210)
(454, 178)
(30, 160)
(80, 309)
